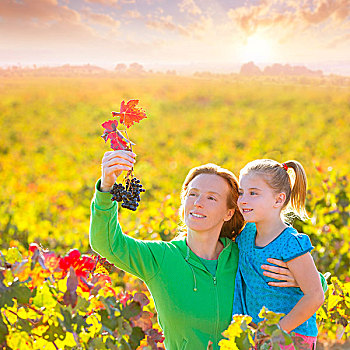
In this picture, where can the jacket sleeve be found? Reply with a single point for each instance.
(138, 257)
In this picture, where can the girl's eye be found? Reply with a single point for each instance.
(240, 194)
(252, 193)
(191, 194)
(212, 198)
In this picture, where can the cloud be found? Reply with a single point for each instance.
(196, 27)
(250, 19)
(102, 19)
(167, 23)
(190, 7)
(43, 10)
(44, 24)
(338, 41)
(201, 28)
(291, 15)
(104, 2)
(111, 3)
(132, 14)
(336, 9)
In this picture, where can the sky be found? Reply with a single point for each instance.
(214, 35)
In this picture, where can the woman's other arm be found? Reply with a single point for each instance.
(284, 275)
(281, 273)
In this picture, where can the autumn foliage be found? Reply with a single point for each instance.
(52, 302)
(49, 164)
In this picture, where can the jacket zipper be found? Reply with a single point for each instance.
(217, 300)
(217, 311)
(217, 295)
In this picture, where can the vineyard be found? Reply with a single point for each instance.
(50, 154)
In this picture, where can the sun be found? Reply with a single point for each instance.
(257, 49)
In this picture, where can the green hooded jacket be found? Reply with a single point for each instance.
(193, 306)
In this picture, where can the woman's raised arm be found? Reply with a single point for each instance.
(140, 258)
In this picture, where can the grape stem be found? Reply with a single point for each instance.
(129, 174)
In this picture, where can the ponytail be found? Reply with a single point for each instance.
(298, 193)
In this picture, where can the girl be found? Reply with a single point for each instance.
(265, 190)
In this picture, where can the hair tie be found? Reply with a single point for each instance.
(285, 166)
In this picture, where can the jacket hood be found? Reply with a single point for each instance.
(181, 244)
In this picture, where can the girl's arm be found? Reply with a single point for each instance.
(307, 277)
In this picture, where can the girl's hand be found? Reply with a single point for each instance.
(281, 273)
(113, 163)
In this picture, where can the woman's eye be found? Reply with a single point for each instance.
(212, 198)
(191, 194)
(240, 194)
(253, 193)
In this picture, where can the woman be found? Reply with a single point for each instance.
(191, 278)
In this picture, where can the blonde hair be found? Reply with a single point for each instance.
(232, 227)
(277, 177)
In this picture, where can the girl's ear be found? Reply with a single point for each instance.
(229, 214)
(280, 199)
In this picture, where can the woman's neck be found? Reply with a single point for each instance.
(206, 246)
(268, 230)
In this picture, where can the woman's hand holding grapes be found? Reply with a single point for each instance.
(113, 164)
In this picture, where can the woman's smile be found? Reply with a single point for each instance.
(197, 215)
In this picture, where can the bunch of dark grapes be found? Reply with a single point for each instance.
(129, 194)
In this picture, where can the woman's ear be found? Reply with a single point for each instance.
(280, 199)
(230, 213)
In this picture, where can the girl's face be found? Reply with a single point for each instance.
(257, 201)
(205, 208)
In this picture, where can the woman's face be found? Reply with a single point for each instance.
(205, 208)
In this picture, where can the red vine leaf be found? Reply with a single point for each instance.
(129, 113)
(110, 125)
(117, 142)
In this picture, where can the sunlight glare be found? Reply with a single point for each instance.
(257, 49)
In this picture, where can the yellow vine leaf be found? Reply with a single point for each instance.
(228, 345)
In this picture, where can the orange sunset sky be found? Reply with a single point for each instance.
(207, 34)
